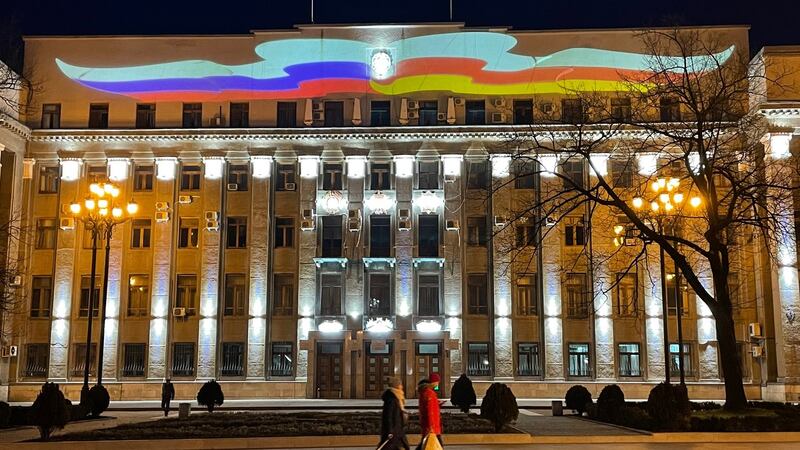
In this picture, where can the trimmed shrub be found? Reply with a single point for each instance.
(633, 417)
(610, 402)
(578, 398)
(210, 395)
(499, 406)
(20, 416)
(668, 405)
(462, 394)
(99, 400)
(5, 414)
(49, 411)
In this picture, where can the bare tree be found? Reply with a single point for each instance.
(687, 122)
(16, 87)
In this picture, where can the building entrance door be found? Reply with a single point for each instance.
(428, 360)
(329, 370)
(379, 367)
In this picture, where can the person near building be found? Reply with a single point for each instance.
(393, 419)
(429, 414)
(167, 395)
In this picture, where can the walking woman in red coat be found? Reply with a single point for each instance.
(429, 417)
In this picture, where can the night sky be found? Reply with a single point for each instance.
(774, 22)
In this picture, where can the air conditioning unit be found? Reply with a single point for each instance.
(404, 214)
(179, 312)
(546, 107)
(754, 329)
(307, 224)
(184, 199)
(499, 221)
(318, 106)
(449, 178)
(353, 224)
(65, 209)
(233, 187)
(413, 104)
(441, 117)
(308, 214)
(8, 351)
(212, 225)
(212, 215)
(452, 225)
(413, 114)
(630, 241)
(499, 103)
(549, 221)
(289, 186)
(162, 206)
(498, 118)
(67, 223)
(757, 351)
(404, 224)
(162, 216)
(318, 116)
(16, 281)
(458, 101)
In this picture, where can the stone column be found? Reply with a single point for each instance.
(259, 263)
(404, 242)
(551, 290)
(503, 303)
(452, 276)
(654, 313)
(307, 279)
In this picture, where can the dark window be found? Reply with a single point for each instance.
(48, 179)
(621, 109)
(41, 296)
(281, 359)
(380, 178)
(146, 115)
(237, 176)
(284, 232)
(428, 175)
(332, 236)
(379, 302)
(477, 297)
(476, 112)
(330, 302)
(622, 172)
(188, 233)
(51, 115)
(476, 231)
(83, 310)
(629, 360)
(79, 359)
(235, 295)
(97, 174)
(525, 288)
(334, 114)
(428, 236)
(670, 109)
(140, 233)
(682, 297)
(574, 233)
(283, 297)
(573, 111)
(133, 360)
(36, 360)
(183, 359)
(428, 111)
(286, 175)
(138, 295)
(192, 115)
(186, 293)
(523, 174)
(232, 359)
(240, 115)
(46, 233)
(523, 112)
(287, 114)
(525, 235)
(143, 178)
(675, 358)
(626, 293)
(332, 177)
(478, 360)
(380, 115)
(190, 177)
(577, 296)
(528, 360)
(236, 232)
(478, 175)
(574, 174)
(380, 236)
(98, 115)
(87, 238)
(579, 360)
(428, 295)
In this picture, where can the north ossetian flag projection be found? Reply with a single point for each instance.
(468, 63)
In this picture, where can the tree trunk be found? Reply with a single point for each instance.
(735, 398)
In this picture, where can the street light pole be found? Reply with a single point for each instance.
(679, 312)
(108, 230)
(665, 308)
(90, 318)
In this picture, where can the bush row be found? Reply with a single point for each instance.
(499, 405)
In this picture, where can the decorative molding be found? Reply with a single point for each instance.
(15, 126)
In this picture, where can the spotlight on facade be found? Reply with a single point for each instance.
(429, 326)
(330, 326)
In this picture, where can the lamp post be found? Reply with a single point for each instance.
(100, 213)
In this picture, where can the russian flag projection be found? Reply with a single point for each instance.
(467, 63)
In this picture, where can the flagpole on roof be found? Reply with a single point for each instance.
(312, 11)
(451, 10)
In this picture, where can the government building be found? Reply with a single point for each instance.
(324, 207)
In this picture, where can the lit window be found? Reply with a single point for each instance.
(579, 360)
(478, 360)
(138, 295)
(629, 360)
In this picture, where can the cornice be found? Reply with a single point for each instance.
(15, 126)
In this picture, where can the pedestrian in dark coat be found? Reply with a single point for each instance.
(167, 395)
(393, 419)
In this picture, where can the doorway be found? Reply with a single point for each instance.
(329, 370)
(379, 367)
(428, 360)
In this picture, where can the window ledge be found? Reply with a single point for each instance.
(320, 261)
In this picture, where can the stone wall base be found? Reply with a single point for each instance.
(781, 392)
(632, 390)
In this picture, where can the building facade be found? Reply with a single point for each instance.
(324, 207)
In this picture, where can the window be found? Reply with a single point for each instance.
(525, 289)
(183, 359)
(670, 109)
(428, 111)
(281, 359)
(332, 237)
(622, 172)
(142, 178)
(428, 175)
(334, 114)
(190, 177)
(237, 175)
(51, 115)
(79, 359)
(629, 360)
(478, 360)
(138, 295)
(41, 296)
(332, 177)
(133, 360)
(285, 181)
(192, 115)
(140, 233)
(186, 293)
(146, 115)
(380, 177)
(477, 297)
(523, 112)
(97, 174)
(380, 115)
(236, 233)
(577, 296)
(682, 297)
(525, 235)
(621, 110)
(98, 115)
(528, 360)
(627, 294)
(428, 295)
(478, 175)
(46, 233)
(36, 360)
(83, 310)
(476, 112)
(574, 232)
(188, 233)
(87, 238)
(574, 173)
(232, 359)
(579, 360)
(380, 236)
(523, 174)
(48, 179)
(283, 298)
(379, 302)
(240, 115)
(284, 232)
(476, 231)
(675, 358)
(330, 302)
(235, 295)
(573, 111)
(428, 236)
(287, 114)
